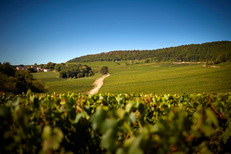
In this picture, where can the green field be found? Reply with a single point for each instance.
(60, 85)
(156, 78)
(169, 78)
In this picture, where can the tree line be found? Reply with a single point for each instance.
(67, 71)
(73, 71)
(212, 52)
(18, 81)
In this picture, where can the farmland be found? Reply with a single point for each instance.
(169, 78)
(141, 108)
(61, 85)
(147, 78)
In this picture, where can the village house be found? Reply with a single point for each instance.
(38, 68)
(34, 67)
(21, 68)
(46, 70)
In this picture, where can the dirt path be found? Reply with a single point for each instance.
(98, 84)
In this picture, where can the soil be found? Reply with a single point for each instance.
(98, 84)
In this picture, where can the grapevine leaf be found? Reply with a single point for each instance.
(120, 113)
(166, 97)
(135, 147)
(135, 150)
(133, 117)
(226, 135)
(207, 130)
(109, 140)
(98, 118)
(212, 117)
(120, 151)
(52, 138)
(128, 106)
(119, 98)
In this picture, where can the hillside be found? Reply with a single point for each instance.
(213, 52)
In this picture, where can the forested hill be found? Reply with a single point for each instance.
(213, 52)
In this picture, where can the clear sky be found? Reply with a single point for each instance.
(40, 31)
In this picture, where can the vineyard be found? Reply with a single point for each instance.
(115, 123)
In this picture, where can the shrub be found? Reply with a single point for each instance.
(104, 70)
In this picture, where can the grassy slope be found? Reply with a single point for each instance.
(182, 78)
(148, 78)
(167, 78)
(58, 85)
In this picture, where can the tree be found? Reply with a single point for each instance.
(17, 82)
(80, 75)
(24, 80)
(68, 73)
(73, 71)
(38, 86)
(7, 68)
(104, 70)
(58, 67)
(91, 73)
(193, 52)
(49, 65)
(31, 70)
(62, 74)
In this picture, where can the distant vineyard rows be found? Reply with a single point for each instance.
(115, 123)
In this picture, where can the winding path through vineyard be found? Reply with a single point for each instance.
(98, 84)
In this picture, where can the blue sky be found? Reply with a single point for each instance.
(40, 31)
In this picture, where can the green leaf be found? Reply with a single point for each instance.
(205, 150)
(46, 132)
(109, 140)
(52, 138)
(98, 119)
(207, 130)
(166, 96)
(226, 135)
(63, 102)
(77, 118)
(212, 116)
(120, 151)
(28, 92)
(129, 142)
(120, 113)
(128, 106)
(119, 98)
(57, 134)
(135, 150)
(133, 117)
(101, 97)
(135, 147)
(109, 123)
